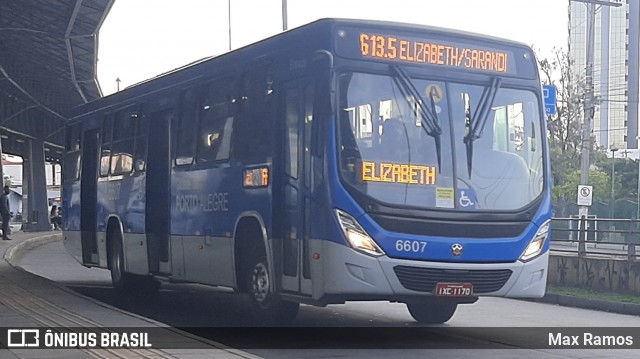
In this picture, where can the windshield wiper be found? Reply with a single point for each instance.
(475, 124)
(429, 116)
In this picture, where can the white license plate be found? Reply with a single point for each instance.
(454, 289)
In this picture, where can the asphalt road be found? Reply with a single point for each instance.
(356, 329)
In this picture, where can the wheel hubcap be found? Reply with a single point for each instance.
(260, 283)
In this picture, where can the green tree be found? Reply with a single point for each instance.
(564, 128)
(565, 144)
(565, 194)
(626, 184)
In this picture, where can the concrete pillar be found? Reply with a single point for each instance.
(34, 188)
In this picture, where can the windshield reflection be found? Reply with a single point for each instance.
(389, 151)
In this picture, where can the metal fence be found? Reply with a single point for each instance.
(592, 236)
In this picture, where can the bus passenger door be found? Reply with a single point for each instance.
(157, 205)
(297, 199)
(89, 197)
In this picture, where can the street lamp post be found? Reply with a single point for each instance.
(613, 150)
(285, 26)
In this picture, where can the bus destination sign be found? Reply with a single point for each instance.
(395, 48)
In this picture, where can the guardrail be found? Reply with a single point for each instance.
(612, 238)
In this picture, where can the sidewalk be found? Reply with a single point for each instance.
(30, 301)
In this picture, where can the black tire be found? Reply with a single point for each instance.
(119, 278)
(267, 308)
(125, 282)
(432, 311)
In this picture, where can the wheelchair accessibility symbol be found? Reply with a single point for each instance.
(467, 199)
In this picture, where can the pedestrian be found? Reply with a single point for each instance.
(5, 212)
(53, 216)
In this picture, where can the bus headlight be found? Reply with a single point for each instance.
(356, 235)
(537, 243)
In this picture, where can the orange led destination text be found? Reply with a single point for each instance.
(398, 173)
(393, 48)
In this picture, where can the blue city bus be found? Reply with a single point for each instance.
(345, 160)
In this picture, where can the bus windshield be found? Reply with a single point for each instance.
(435, 144)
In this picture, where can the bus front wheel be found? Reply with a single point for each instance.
(266, 306)
(432, 311)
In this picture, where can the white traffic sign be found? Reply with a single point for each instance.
(585, 195)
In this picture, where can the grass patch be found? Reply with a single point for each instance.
(591, 294)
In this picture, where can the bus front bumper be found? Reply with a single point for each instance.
(342, 274)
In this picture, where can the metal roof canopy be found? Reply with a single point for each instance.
(48, 56)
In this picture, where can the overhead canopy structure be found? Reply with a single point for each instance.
(48, 56)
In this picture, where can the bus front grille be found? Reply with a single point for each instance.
(425, 279)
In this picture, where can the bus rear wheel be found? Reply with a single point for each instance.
(123, 281)
(432, 311)
(267, 308)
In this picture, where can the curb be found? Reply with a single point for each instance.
(30, 243)
(586, 303)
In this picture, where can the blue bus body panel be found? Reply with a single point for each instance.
(208, 201)
(478, 250)
(204, 202)
(71, 206)
(122, 198)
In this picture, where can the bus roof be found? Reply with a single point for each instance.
(303, 32)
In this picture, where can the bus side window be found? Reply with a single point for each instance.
(107, 128)
(308, 125)
(73, 137)
(122, 157)
(122, 146)
(291, 133)
(105, 152)
(252, 128)
(124, 124)
(71, 166)
(105, 160)
(187, 121)
(216, 122)
(140, 150)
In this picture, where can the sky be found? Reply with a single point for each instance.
(141, 39)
